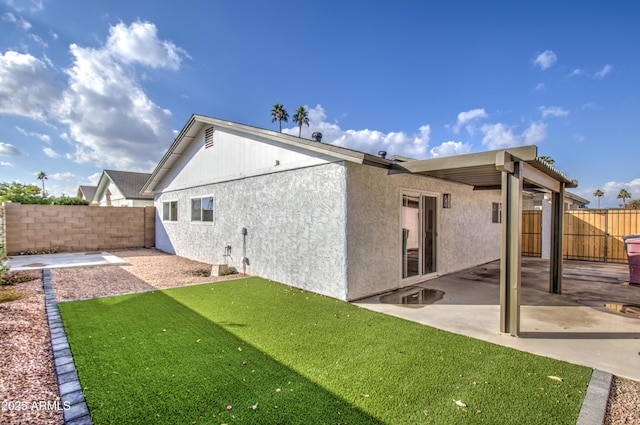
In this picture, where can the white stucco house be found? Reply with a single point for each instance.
(323, 218)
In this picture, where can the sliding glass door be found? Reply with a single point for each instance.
(418, 233)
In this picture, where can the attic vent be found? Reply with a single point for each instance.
(208, 138)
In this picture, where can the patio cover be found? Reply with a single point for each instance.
(511, 170)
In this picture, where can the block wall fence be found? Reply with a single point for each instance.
(76, 228)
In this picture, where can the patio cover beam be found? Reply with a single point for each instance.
(510, 252)
(557, 218)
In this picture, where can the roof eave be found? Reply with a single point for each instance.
(196, 122)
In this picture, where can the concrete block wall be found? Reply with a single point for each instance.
(75, 228)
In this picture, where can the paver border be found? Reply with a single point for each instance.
(75, 409)
(594, 405)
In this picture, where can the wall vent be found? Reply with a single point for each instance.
(208, 138)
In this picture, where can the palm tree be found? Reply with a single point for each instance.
(279, 114)
(624, 195)
(42, 176)
(547, 159)
(598, 194)
(301, 117)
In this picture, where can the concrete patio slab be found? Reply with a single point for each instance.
(595, 322)
(51, 261)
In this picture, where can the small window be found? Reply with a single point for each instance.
(170, 211)
(202, 209)
(496, 212)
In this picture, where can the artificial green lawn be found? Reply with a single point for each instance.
(177, 356)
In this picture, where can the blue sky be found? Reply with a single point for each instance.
(88, 85)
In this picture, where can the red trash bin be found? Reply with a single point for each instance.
(633, 252)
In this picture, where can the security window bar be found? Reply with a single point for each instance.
(202, 209)
(170, 211)
(208, 138)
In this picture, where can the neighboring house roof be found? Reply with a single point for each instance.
(129, 183)
(198, 122)
(576, 198)
(86, 192)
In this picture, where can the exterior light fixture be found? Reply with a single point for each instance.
(446, 200)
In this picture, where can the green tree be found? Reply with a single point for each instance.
(23, 193)
(598, 194)
(634, 204)
(42, 176)
(547, 159)
(301, 117)
(624, 195)
(278, 113)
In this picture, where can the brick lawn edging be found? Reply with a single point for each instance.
(71, 394)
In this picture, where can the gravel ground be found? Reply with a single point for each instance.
(26, 360)
(25, 349)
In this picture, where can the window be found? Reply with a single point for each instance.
(496, 212)
(170, 211)
(202, 209)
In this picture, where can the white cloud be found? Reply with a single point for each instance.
(20, 22)
(22, 5)
(5, 164)
(7, 149)
(540, 87)
(27, 88)
(110, 119)
(139, 43)
(545, 59)
(579, 137)
(50, 152)
(450, 148)
(38, 40)
(63, 176)
(604, 71)
(554, 111)
(467, 117)
(500, 136)
(44, 137)
(109, 116)
(371, 141)
(575, 72)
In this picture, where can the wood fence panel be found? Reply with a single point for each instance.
(621, 223)
(532, 233)
(588, 234)
(584, 235)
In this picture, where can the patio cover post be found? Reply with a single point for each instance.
(510, 252)
(557, 220)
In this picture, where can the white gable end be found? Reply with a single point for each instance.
(234, 156)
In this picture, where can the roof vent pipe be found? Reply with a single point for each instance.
(317, 136)
(382, 154)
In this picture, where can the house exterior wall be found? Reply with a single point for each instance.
(295, 221)
(466, 235)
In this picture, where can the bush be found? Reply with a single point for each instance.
(10, 294)
(69, 200)
(8, 278)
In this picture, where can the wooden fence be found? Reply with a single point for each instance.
(588, 234)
